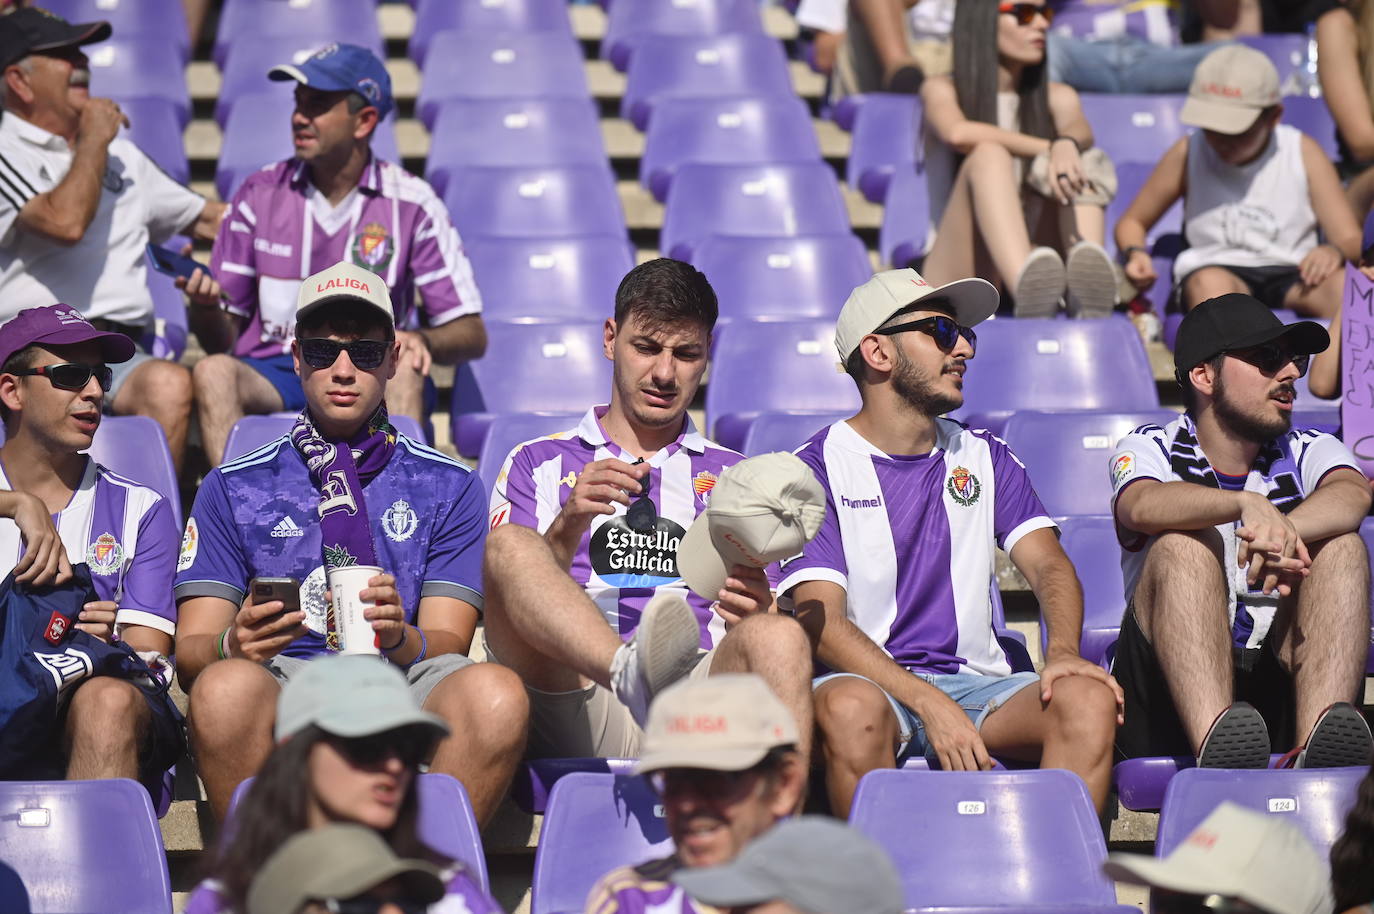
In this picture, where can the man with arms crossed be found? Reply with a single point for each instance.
(342, 489)
(895, 587)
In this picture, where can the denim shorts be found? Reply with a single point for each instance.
(280, 372)
(977, 694)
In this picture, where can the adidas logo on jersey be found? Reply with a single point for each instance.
(287, 527)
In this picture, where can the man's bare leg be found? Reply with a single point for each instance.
(162, 391)
(233, 709)
(857, 732)
(106, 723)
(227, 390)
(775, 647)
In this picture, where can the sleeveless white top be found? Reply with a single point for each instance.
(1255, 215)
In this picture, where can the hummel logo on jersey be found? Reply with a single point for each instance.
(287, 527)
(861, 502)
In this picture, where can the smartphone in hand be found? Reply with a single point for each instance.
(287, 590)
(167, 261)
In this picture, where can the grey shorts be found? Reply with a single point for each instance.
(120, 372)
(422, 677)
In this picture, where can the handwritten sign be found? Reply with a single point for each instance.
(1357, 367)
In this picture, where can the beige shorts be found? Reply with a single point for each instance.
(586, 723)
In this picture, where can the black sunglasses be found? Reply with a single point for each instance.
(72, 375)
(944, 330)
(1270, 358)
(366, 905)
(642, 517)
(365, 355)
(1025, 13)
(412, 745)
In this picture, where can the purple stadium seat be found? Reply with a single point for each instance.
(245, 71)
(724, 131)
(906, 218)
(1289, 53)
(1313, 117)
(561, 368)
(886, 133)
(244, 22)
(155, 127)
(846, 111)
(628, 24)
(756, 200)
(535, 202)
(1056, 364)
(786, 430)
(510, 133)
(258, 133)
(84, 846)
(1036, 830)
(535, 779)
(782, 277)
(1131, 177)
(134, 447)
(252, 432)
(1090, 543)
(161, 20)
(139, 68)
(621, 811)
(446, 822)
(503, 65)
(506, 431)
(1315, 799)
(1068, 454)
(763, 366)
(1141, 782)
(435, 16)
(551, 279)
(718, 65)
(1134, 128)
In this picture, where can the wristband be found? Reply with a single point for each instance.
(424, 646)
(398, 645)
(222, 644)
(1065, 136)
(1129, 250)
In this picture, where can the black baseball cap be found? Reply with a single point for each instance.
(1238, 321)
(31, 28)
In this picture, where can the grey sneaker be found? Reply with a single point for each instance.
(662, 651)
(1040, 284)
(1092, 281)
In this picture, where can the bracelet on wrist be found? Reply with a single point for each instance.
(399, 644)
(1065, 136)
(1130, 250)
(222, 644)
(424, 647)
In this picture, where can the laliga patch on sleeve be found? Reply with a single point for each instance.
(1122, 467)
(190, 545)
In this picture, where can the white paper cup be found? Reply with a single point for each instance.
(355, 632)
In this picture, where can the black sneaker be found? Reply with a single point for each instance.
(1238, 738)
(1339, 739)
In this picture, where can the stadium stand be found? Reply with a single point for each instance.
(435, 16)
(886, 138)
(549, 278)
(628, 24)
(809, 276)
(509, 65)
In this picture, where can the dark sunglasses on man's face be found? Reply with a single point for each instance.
(411, 745)
(1271, 358)
(72, 375)
(1025, 13)
(365, 355)
(945, 331)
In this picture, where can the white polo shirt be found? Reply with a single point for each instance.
(104, 274)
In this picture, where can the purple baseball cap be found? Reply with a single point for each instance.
(59, 325)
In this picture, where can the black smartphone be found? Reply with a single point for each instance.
(288, 590)
(167, 261)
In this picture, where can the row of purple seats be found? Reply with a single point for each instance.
(140, 67)
(161, 21)
(244, 23)
(435, 16)
(155, 126)
(628, 25)
(534, 202)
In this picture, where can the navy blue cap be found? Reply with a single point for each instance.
(340, 67)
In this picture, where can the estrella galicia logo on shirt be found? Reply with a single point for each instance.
(963, 486)
(623, 558)
(399, 521)
(373, 247)
(105, 555)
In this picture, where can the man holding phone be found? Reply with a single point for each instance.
(334, 200)
(61, 507)
(78, 204)
(342, 490)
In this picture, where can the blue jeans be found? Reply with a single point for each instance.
(1124, 65)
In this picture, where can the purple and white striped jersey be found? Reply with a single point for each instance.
(279, 229)
(620, 569)
(126, 534)
(1155, 21)
(911, 540)
(643, 889)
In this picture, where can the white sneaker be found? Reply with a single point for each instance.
(1092, 281)
(1040, 284)
(662, 651)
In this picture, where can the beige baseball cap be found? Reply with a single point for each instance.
(726, 722)
(762, 509)
(874, 302)
(1236, 852)
(343, 280)
(1230, 87)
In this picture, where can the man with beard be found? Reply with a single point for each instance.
(1247, 581)
(894, 589)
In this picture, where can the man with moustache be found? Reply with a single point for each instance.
(894, 589)
(1247, 580)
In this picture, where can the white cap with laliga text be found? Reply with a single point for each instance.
(343, 281)
(876, 301)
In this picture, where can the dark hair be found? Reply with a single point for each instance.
(275, 808)
(1189, 391)
(665, 292)
(1352, 856)
(975, 72)
(346, 318)
(19, 361)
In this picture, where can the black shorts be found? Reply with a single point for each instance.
(1152, 726)
(1269, 284)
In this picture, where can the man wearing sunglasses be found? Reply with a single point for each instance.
(334, 200)
(721, 753)
(54, 375)
(1247, 580)
(895, 586)
(341, 489)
